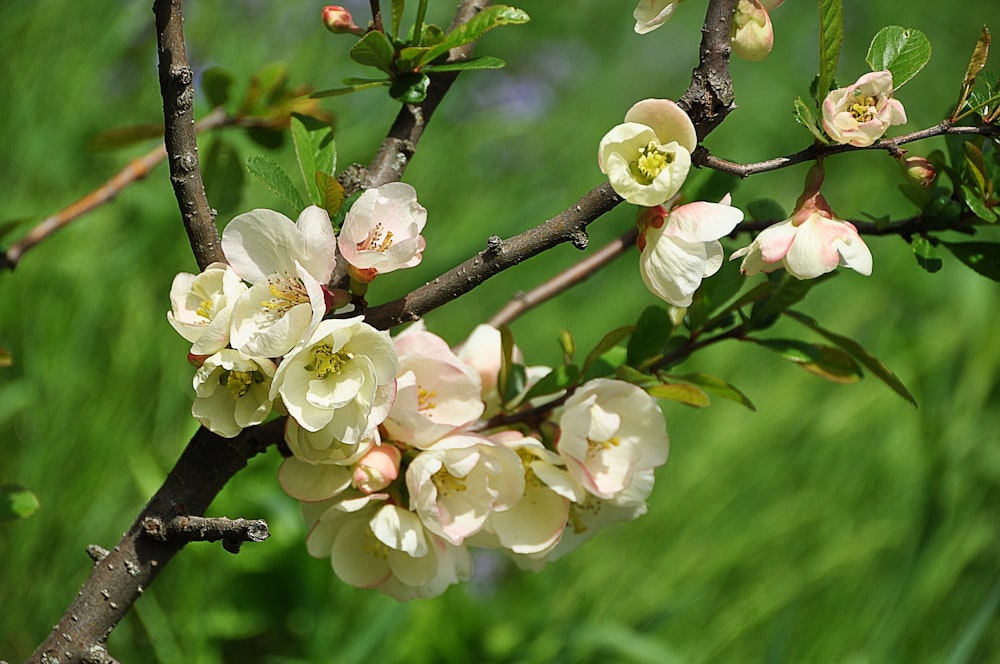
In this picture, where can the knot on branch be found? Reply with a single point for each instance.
(232, 532)
(579, 239)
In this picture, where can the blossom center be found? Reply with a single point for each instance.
(325, 361)
(652, 160)
(425, 399)
(447, 483)
(286, 292)
(595, 447)
(378, 240)
(863, 109)
(240, 382)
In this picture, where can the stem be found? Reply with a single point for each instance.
(418, 24)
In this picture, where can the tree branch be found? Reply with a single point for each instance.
(176, 78)
(702, 157)
(709, 97)
(232, 532)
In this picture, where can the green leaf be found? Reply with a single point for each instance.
(869, 361)
(481, 23)
(976, 63)
(331, 193)
(974, 201)
(267, 84)
(217, 84)
(975, 164)
(650, 335)
(788, 292)
(357, 87)
(718, 387)
(831, 37)
(517, 380)
(561, 377)
(397, 16)
(983, 257)
(314, 150)
(686, 394)
(722, 287)
(804, 116)
(826, 362)
(568, 345)
(123, 137)
(506, 359)
(481, 62)
(274, 178)
(374, 50)
(410, 88)
(223, 176)
(610, 340)
(903, 51)
(16, 502)
(926, 254)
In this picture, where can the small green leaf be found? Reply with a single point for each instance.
(689, 395)
(975, 164)
(561, 377)
(826, 362)
(568, 345)
(926, 254)
(903, 51)
(314, 150)
(331, 193)
(374, 50)
(410, 88)
(804, 116)
(722, 287)
(610, 340)
(123, 137)
(357, 87)
(217, 84)
(974, 201)
(223, 176)
(481, 62)
(16, 502)
(517, 380)
(789, 292)
(872, 363)
(983, 257)
(481, 23)
(274, 178)
(976, 63)
(831, 37)
(651, 333)
(718, 387)
(506, 359)
(397, 16)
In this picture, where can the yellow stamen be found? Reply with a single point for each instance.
(425, 399)
(595, 447)
(286, 292)
(863, 109)
(205, 309)
(239, 382)
(447, 483)
(325, 361)
(375, 241)
(651, 162)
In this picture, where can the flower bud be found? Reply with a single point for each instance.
(918, 170)
(339, 21)
(751, 35)
(377, 469)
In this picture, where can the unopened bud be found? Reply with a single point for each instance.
(377, 469)
(751, 35)
(918, 170)
(339, 21)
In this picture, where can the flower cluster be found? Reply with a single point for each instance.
(399, 509)
(257, 329)
(751, 35)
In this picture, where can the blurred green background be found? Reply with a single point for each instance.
(836, 524)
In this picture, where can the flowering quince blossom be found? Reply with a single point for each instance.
(751, 35)
(651, 14)
(202, 307)
(859, 114)
(648, 157)
(286, 264)
(341, 379)
(609, 430)
(458, 482)
(680, 248)
(436, 393)
(381, 231)
(232, 391)
(812, 242)
(322, 447)
(373, 543)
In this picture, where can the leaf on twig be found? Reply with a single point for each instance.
(976, 63)
(315, 152)
(983, 257)
(689, 395)
(903, 51)
(274, 178)
(831, 37)
(480, 24)
(718, 387)
(826, 362)
(926, 254)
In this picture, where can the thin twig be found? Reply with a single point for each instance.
(184, 528)
(588, 267)
(176, 87)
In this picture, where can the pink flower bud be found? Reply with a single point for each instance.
(918, 170)
(339, 21)
(377, 469)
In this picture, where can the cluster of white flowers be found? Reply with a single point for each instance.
(401, 451)
(399, 510)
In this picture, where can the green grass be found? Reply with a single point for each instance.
(836, 524)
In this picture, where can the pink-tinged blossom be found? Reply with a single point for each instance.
(811, 243)
(750, 34)
(232, 392)
(377, 469)
(609, 430)
(373, 543)
(918, 170)
(312, 482)
(648, 157)
(322, 446)
(202, 307)
(341, 379)
(680, 248)
(458, 482)
(651, 14)
(436, 393)
(286, 264)
(339, 21)
(381, 231)
(860, 114)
